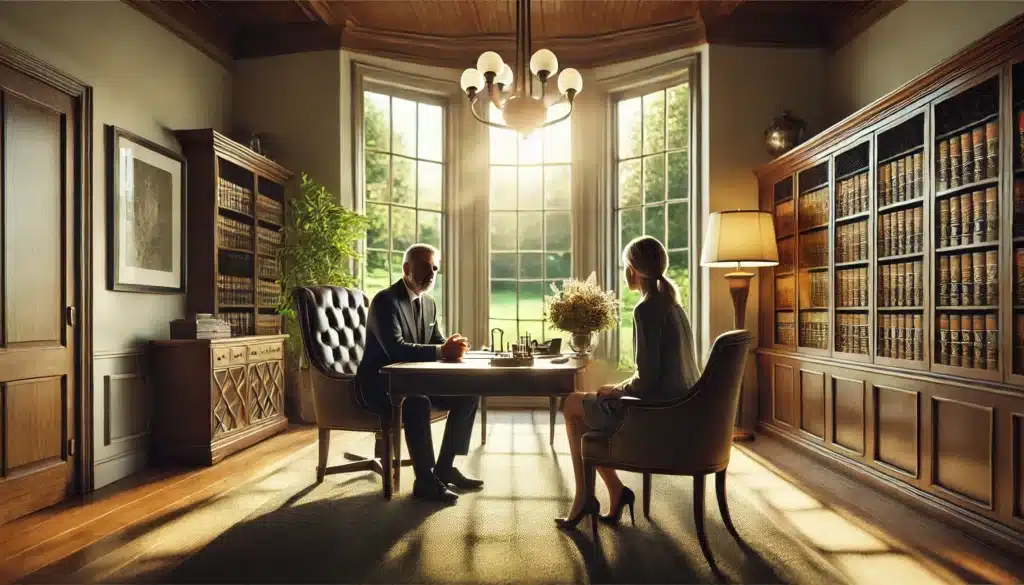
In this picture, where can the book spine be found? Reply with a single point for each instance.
(954, 280)
(980, 359)
(918, 338)
(954, 221)
(991, 277)
(862, 183)
(883, 185)
(978, 213)
(883, 335)
(944, 223)
(944, 332)
(863, 289)
(954, 161)
(966, 341)
(966, 158)
(863, 230)
(966, 280)
(918, 229)
(1020, 138)
(954, 340)
(901, 231)
(1018, 292)
(919, 174)
(883, 286)
(899, 342)
(978, 268)
(992, 149)
(991, 214)
(943, 281)
(918, 283)
(991, 342)
(978, 142)
(901, 180)
(943, 165)
(1018, 206)
(899, 286)
(894, 182)
(966, 219)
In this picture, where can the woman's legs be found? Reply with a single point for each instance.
(575, 429)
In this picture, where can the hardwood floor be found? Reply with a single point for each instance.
(138, 528)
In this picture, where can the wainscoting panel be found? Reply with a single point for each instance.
(812, 403)
(963, 449)
(897, 425)
(121, 415)
(848, 415)
(782, 393)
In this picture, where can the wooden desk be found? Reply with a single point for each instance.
(474, 377)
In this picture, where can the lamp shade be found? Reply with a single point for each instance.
(740, 239)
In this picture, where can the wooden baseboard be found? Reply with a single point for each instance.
(984, 529)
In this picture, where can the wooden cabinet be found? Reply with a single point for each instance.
(215, 397)
(892, 331)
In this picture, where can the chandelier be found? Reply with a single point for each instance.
(523, 112)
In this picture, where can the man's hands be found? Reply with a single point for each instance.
(609, 391)
(454, 348)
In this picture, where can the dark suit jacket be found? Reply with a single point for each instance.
(392, 336)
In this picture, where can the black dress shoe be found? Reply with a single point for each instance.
(434, 491)
(454, 477)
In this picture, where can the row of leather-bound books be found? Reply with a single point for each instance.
(969, 218)
(814, 329)
(901, 337)
(901, 232)
(784, 329)
(852, 333)
(901, 284)
(814, 208)
(241, 323)
(784, 218)
(814, 249)
(852, 242)
(852, 287)
(234, 290)
(1018, 283)
(784, 292)
(1018, 205)
(970, 279)
(968, 157)
(901, 180)
(852, 195)
(818, 289)
(969, 340)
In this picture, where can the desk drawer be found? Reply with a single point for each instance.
(221, 357)
(264, 352)
(237, 355)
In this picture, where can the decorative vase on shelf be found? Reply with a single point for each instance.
(583, 342)
(786, 132)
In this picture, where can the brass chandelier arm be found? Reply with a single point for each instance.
(476, 98)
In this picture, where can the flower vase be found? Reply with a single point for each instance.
(583, 342)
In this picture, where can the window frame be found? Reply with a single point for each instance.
(421, 89)
(637, 84)
(543, 165)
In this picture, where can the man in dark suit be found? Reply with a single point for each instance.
(402, 327)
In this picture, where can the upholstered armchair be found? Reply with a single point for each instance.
(332, 321)
(689, 436)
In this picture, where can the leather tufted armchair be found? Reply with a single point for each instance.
(688, 436)
(332, 321)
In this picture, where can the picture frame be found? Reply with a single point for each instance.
(145, 215)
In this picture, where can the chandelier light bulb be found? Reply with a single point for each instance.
(505, 77)
(570, 79)
(489, 62)
(471, 78)
(544, 60)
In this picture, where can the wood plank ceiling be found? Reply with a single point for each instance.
(453, 33)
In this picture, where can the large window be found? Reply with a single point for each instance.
(530, 224)
(403, 185)
(652, 189)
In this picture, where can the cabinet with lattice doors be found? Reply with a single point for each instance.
(215, 397)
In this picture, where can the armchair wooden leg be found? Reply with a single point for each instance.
(647, 496)
(386, 463)
(483, 420)
(324, 443)
(589, 486)
(723, 506)
(551, 441)
(698, 518)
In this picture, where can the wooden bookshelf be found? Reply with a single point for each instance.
(912, 211)
(235, 218)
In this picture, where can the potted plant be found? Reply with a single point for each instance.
(320, 238)
(582, 308)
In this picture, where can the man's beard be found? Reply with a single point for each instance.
(419, 287)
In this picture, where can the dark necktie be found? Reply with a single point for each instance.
(417, 317)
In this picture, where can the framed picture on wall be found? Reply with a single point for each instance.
(145, 215)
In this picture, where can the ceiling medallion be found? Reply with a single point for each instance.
(523, 111)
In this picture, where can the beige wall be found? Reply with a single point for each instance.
(904, 44)
(149, 82)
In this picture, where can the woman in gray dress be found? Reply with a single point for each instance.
(666, 368)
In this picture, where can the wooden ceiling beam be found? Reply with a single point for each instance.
(317, 11)
(195, 23)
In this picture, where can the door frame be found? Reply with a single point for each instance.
(26, 64)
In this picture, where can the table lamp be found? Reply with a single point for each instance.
(740, 239)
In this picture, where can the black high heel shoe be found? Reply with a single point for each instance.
(628, 498)
(590, 508)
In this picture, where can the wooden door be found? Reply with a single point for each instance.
(37, 422)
